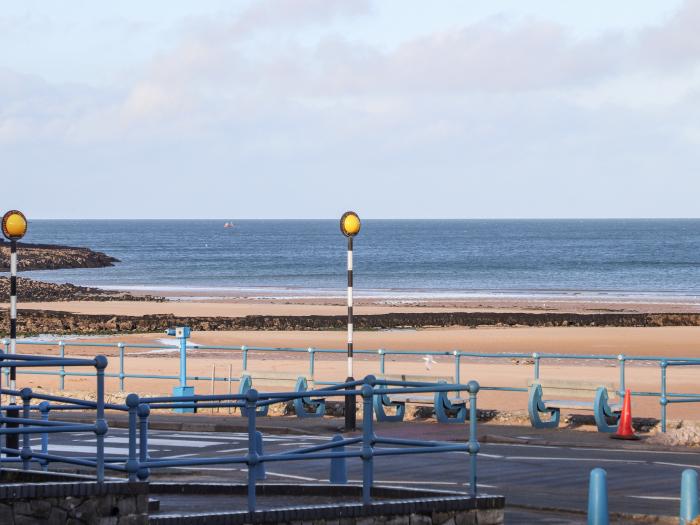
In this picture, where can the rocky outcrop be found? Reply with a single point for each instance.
(44, 322)
(52, 257)
(29, 290)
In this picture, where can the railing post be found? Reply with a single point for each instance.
(312, 363)
(212, 384)
(473, 388)
(44, 408)
(122, 375)
(621, 360)
(244, 354)
(664, 400)
(132, 402)
(260, 473)
(230, 378)
(100, 422)
(536, 358)
(598, 498)
(339, 470)
(689, 496)
(143, 412)
(26, 453)
(251, 398)
(367, 440)
(382, 361)
(62, 372)
(458, 373)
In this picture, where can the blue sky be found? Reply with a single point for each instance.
(395, 108)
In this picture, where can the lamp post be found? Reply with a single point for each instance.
(350, 226)
(14, 227)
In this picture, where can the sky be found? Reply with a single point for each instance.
(307, 108)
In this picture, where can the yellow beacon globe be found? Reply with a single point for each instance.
(14, 225)
(350, 224)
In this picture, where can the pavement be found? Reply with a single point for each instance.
(542, 472)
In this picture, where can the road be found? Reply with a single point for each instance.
(639, 481)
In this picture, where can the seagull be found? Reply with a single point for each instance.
(429, 361)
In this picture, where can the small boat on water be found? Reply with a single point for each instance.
(228, 225)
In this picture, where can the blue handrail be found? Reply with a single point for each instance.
(665, 396)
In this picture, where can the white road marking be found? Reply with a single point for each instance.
(205, 435)
(600, 460)
(169, 442)
(668, 464)
(290, 476)
(212, 469)
(89, 449)
(232, 450)
(179, 456)
(618, 450)
(660, 498)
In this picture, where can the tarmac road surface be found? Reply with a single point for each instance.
(639, 481)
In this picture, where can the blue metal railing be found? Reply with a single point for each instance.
(665, 396)
(25, 425)
(138, 464)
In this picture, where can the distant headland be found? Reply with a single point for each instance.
(53, 257)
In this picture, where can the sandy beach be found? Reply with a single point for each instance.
(184, 304)
(643, 376)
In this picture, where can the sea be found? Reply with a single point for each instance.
(399, 260)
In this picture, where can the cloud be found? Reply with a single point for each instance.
(674, 43)
(251, 104)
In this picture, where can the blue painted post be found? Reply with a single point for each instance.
(244, 354)
(251, 397)
(689, 496)
(339, 469)
(663, 401)
(621, 360)
(62, 372)
(143, 412)
(382, 361)
(182, 333)
(536, 357)
(458, 372)
(26, 453)
(473, 437)
(260, 473)
(598, 498)
(367, 440)
(44, 410)
(101, 427)
(132, 402)
(122, 375)
(312, 363)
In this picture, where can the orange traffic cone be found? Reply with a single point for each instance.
(624, 426)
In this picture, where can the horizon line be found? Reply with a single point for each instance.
(366, 218)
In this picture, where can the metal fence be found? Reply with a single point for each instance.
(138, 463)
(12, 424)
(664, 395)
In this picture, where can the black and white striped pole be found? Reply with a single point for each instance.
(350, 226)
(14, 227)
